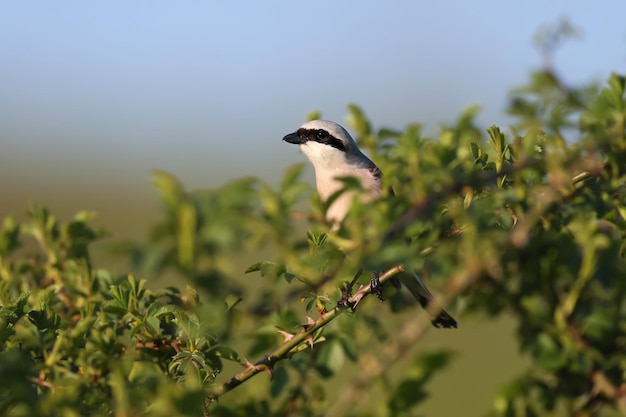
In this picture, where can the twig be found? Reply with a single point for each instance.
(602, 384)
(283, 351)
(594, 170)
(42, 382)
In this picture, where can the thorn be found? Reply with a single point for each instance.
(309, 323)
(270, 370)
(309, 339)
(247, 365)
(265, 367)
(286, 335)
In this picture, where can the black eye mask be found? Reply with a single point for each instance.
(321, 136)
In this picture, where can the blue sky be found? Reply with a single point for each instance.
(97, 94)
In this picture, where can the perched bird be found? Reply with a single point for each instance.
(334, 154)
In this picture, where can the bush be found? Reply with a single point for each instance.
(530, 223)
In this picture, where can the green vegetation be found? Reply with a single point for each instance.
(529, 223)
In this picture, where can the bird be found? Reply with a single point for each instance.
(334, 155)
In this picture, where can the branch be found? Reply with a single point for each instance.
(305, 335)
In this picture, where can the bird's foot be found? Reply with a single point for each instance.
(347, 292)
(344, 301)
(376, 287)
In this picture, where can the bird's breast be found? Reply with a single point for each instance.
(328, 184)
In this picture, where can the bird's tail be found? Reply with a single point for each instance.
(416, 286)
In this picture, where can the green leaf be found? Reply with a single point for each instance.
(226, 353)
(475, 151)
(316, 239)
(9, 236)
(359, 121)
(550, 355)
(231, 301)
(272, 270)
(280, 379)
(314, 115)
(331, 358)
(166, 309)
(170, 188)
(115, 307)
(186, 234)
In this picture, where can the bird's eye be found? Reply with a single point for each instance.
(321, 134)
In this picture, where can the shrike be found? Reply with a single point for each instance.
(334, 154)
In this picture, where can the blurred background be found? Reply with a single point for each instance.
(95, 95)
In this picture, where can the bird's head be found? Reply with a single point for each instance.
(325, 143)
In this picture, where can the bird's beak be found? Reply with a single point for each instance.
(294, 138)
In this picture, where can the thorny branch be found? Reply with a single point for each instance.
(283, 351)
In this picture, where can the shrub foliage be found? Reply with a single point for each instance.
(529, 222)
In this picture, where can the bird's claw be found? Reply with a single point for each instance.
(344, 301)
(375, 286)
